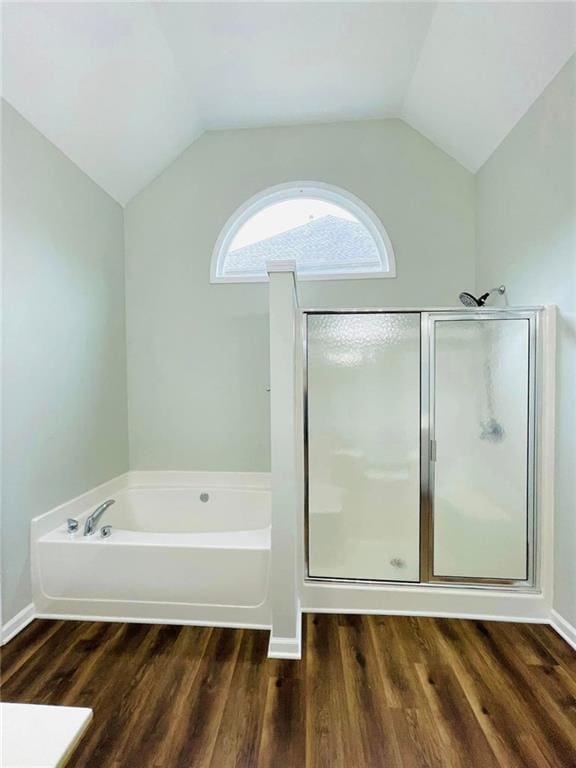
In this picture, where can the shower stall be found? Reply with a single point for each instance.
(420, 441)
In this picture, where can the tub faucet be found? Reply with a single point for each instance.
(92, 520)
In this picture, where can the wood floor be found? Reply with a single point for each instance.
(370, 692)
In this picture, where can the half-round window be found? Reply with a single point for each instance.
(328, 232)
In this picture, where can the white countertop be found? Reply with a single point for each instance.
(39, 736)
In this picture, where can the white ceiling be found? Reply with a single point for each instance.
(481, 67)
(123, 88)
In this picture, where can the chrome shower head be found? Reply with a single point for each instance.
(468, 300)
(471, 301)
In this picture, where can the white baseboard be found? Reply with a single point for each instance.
(287, 647)
(284, 648)
(432, 615)
(153, 620)
(17, 623)
(566, 630)
(427, 600)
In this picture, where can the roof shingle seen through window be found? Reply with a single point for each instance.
(324, 245)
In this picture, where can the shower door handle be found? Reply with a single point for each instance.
(432, 450)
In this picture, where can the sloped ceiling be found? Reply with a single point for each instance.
(123, 88)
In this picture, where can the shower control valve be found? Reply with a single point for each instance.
(71, 525)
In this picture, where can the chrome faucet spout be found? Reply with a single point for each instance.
(92, 520)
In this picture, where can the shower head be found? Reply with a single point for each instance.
(471, 301)
(468, 300)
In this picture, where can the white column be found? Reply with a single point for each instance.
(285, 635)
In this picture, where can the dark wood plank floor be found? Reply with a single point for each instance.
(370, 692)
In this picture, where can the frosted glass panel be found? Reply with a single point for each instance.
(481, 431)
(364, 446)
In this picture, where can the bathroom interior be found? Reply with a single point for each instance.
(288, 385)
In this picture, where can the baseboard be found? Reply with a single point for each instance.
(17, 623)
(146, 620)
(566, 630)
(431, 615)
(279, 647)
(287, 647)
(427, 600)
(284, 648)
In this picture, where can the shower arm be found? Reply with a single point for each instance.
(501, 289)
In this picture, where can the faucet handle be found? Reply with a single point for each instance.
(106, 531)
(71, 525)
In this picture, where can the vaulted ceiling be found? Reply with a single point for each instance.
(123, 88)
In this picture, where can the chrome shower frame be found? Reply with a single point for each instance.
(428, 319)
(427, 502)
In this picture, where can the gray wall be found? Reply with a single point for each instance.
(64, 383)
(198, 353)
(527, 240)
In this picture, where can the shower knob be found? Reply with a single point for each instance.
(71, 525)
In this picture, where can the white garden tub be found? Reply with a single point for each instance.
(184, 547)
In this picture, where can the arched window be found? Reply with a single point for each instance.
(330, 233)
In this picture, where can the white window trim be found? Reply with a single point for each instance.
(319, 191)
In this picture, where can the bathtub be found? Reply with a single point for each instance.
(184, 548)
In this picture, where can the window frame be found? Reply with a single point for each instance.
(291, 190)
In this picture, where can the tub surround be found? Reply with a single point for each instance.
(185, 548)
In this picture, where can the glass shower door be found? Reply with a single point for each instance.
(480, 430)
(363, 446)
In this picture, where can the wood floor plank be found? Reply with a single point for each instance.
(25, 645)
(108, 685)
(370, 692)
(504, 705)
(141, 711)
(498, 712)
(329, 733)
(538, 696)
(531, 717)
(193, 742)
(46, 676)
(397, 670)
(417, 734)
(554, 644)
(238, 740)
(183, 678)
(448, 702)
(372, 735)
(284, 725)
(527, 646)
